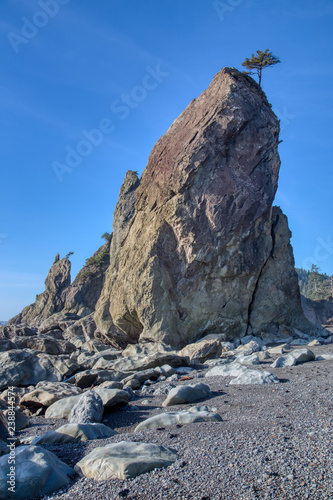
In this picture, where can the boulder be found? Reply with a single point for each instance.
(7, 345)
(227, 370)
(143, 361)
(143, 375)
(124, 460)
(110, 385)
(302, 355)
(3, 427)
(26, 367)
(60, 321)
(200, 351)
(184, 394)
(3, 448)
(248, 348)
(177, 418)
(255, 377)
(324, 357)
(21, 420)
(253, 359)
(10, 331)
(47, 393)
(112, 397)
(283, 361)
(38, 472)
(296, 357)
(74, 433)
(89, 409)
(45, 343)
(87, 360)
(62, 407)
(87, 378)
(84, 327)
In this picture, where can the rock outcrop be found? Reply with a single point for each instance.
(203, 242)
(60, 295)
(82, 295)
(319, 312)
(122, 217)
(50, 301)
(197, 248)
(276, 301)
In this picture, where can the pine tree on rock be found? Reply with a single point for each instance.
(259, 61)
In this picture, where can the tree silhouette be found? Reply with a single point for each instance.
(260, 61)
(106, 236)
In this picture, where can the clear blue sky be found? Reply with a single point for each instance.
(129, 68)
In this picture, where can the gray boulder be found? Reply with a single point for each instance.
(302, 355)
(74, 433)
(21, 420)
(45, 343)
(28, 367)
(296, 357)
(184, 394)
(177, 418)
(3, 448)
(253, 359)
(227, 370)
(124, 460)
(255, 377)
(3, 426)
(112, 397)
(283, 361)
(13, 331)
(324, 357)
(47, 393)
(87, 378)
(89, 409)
(143, 357)
(38, 472)
(202, 350)
(87, 360)
(62, 407)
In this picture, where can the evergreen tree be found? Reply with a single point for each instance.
(106, 236)
(260, 61)
(315, 285)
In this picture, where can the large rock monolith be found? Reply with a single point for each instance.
(202, 244)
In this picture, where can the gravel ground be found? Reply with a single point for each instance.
(275, 442)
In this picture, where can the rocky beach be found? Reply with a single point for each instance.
(182, 361)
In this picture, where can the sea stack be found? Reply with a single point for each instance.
(204, 251)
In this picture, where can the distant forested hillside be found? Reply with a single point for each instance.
(314, 284)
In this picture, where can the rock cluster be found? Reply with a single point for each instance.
(197, 247)
(196, 281)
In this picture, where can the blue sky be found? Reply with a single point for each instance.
(107, 78)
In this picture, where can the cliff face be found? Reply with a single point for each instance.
(201, 244)
(320, 312)
(122, 217)
(82, 295)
